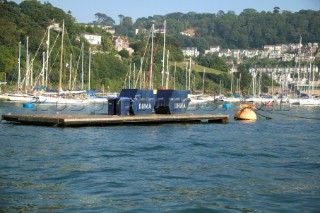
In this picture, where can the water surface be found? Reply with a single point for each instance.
(271, 165)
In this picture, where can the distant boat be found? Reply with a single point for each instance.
(16, 97)
(314, 101)
(60, 100)
(233, 98)
(197, 99)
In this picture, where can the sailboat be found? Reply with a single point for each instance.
(314, 99)
(64, 97)
(19, 96)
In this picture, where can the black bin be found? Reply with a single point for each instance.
(112, 105)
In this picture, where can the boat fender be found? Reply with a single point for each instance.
(227, 106)
(28, 105)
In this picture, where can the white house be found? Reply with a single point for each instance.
(275, 54)
(224, 52)
(190, 51)
(92, 39)
(212, 50)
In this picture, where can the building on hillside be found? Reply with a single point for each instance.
(235, 53)
(121, 43)
(107, 28)
(189, 32)
(252, 53)
(190, 51)
(264, 53)
(287, 57)
(225, 53)
(294, 47)
(275, 54)
(268, 47)
(212, 50)
(92, 39)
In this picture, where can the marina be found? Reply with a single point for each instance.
(183, 112)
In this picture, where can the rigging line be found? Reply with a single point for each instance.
(14, 72)
(76, 72)
(266, 117)
(31, 64)
(55, 59)
(295, 116)
(154, 54)
(49, 54)
(68, 38)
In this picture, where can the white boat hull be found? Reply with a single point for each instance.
(18, 98)
(309, 101)
(61, 100)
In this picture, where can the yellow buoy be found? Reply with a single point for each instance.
(246, 113)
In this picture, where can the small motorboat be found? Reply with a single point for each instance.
(268, 103)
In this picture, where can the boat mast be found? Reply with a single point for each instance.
(204, 72)
(61, 58)
(151, 60)
(19, 69)
(164, 51)
(167, 80)
(189, 72)
(70, 71)
(129, 77)
(309, 77)
(89, 69)
(186, 75)
(27, 66)
(231, 81)
(82, 50)
(299, 58)
(134, 76)
(47, 58)
(174, 75)
(43, 66)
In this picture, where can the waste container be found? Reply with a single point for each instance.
(112, 105)
(123, 106)
(172, 101)
(142, 101)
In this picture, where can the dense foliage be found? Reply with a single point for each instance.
(250, 29)
(31, 19)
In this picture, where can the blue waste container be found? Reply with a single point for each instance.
(142, 101)
(123, 106)
(172, 101)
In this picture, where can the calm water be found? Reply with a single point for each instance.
(271, 165)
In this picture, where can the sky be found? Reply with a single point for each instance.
(84, 10)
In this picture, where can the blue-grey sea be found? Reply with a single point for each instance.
(270, 165)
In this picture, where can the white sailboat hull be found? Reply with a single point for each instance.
(18, 98)
(309, 101)
(61, 100)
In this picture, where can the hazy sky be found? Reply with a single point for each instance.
(84, 10)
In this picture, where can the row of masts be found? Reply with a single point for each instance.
(27, 81)
(165, 72)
